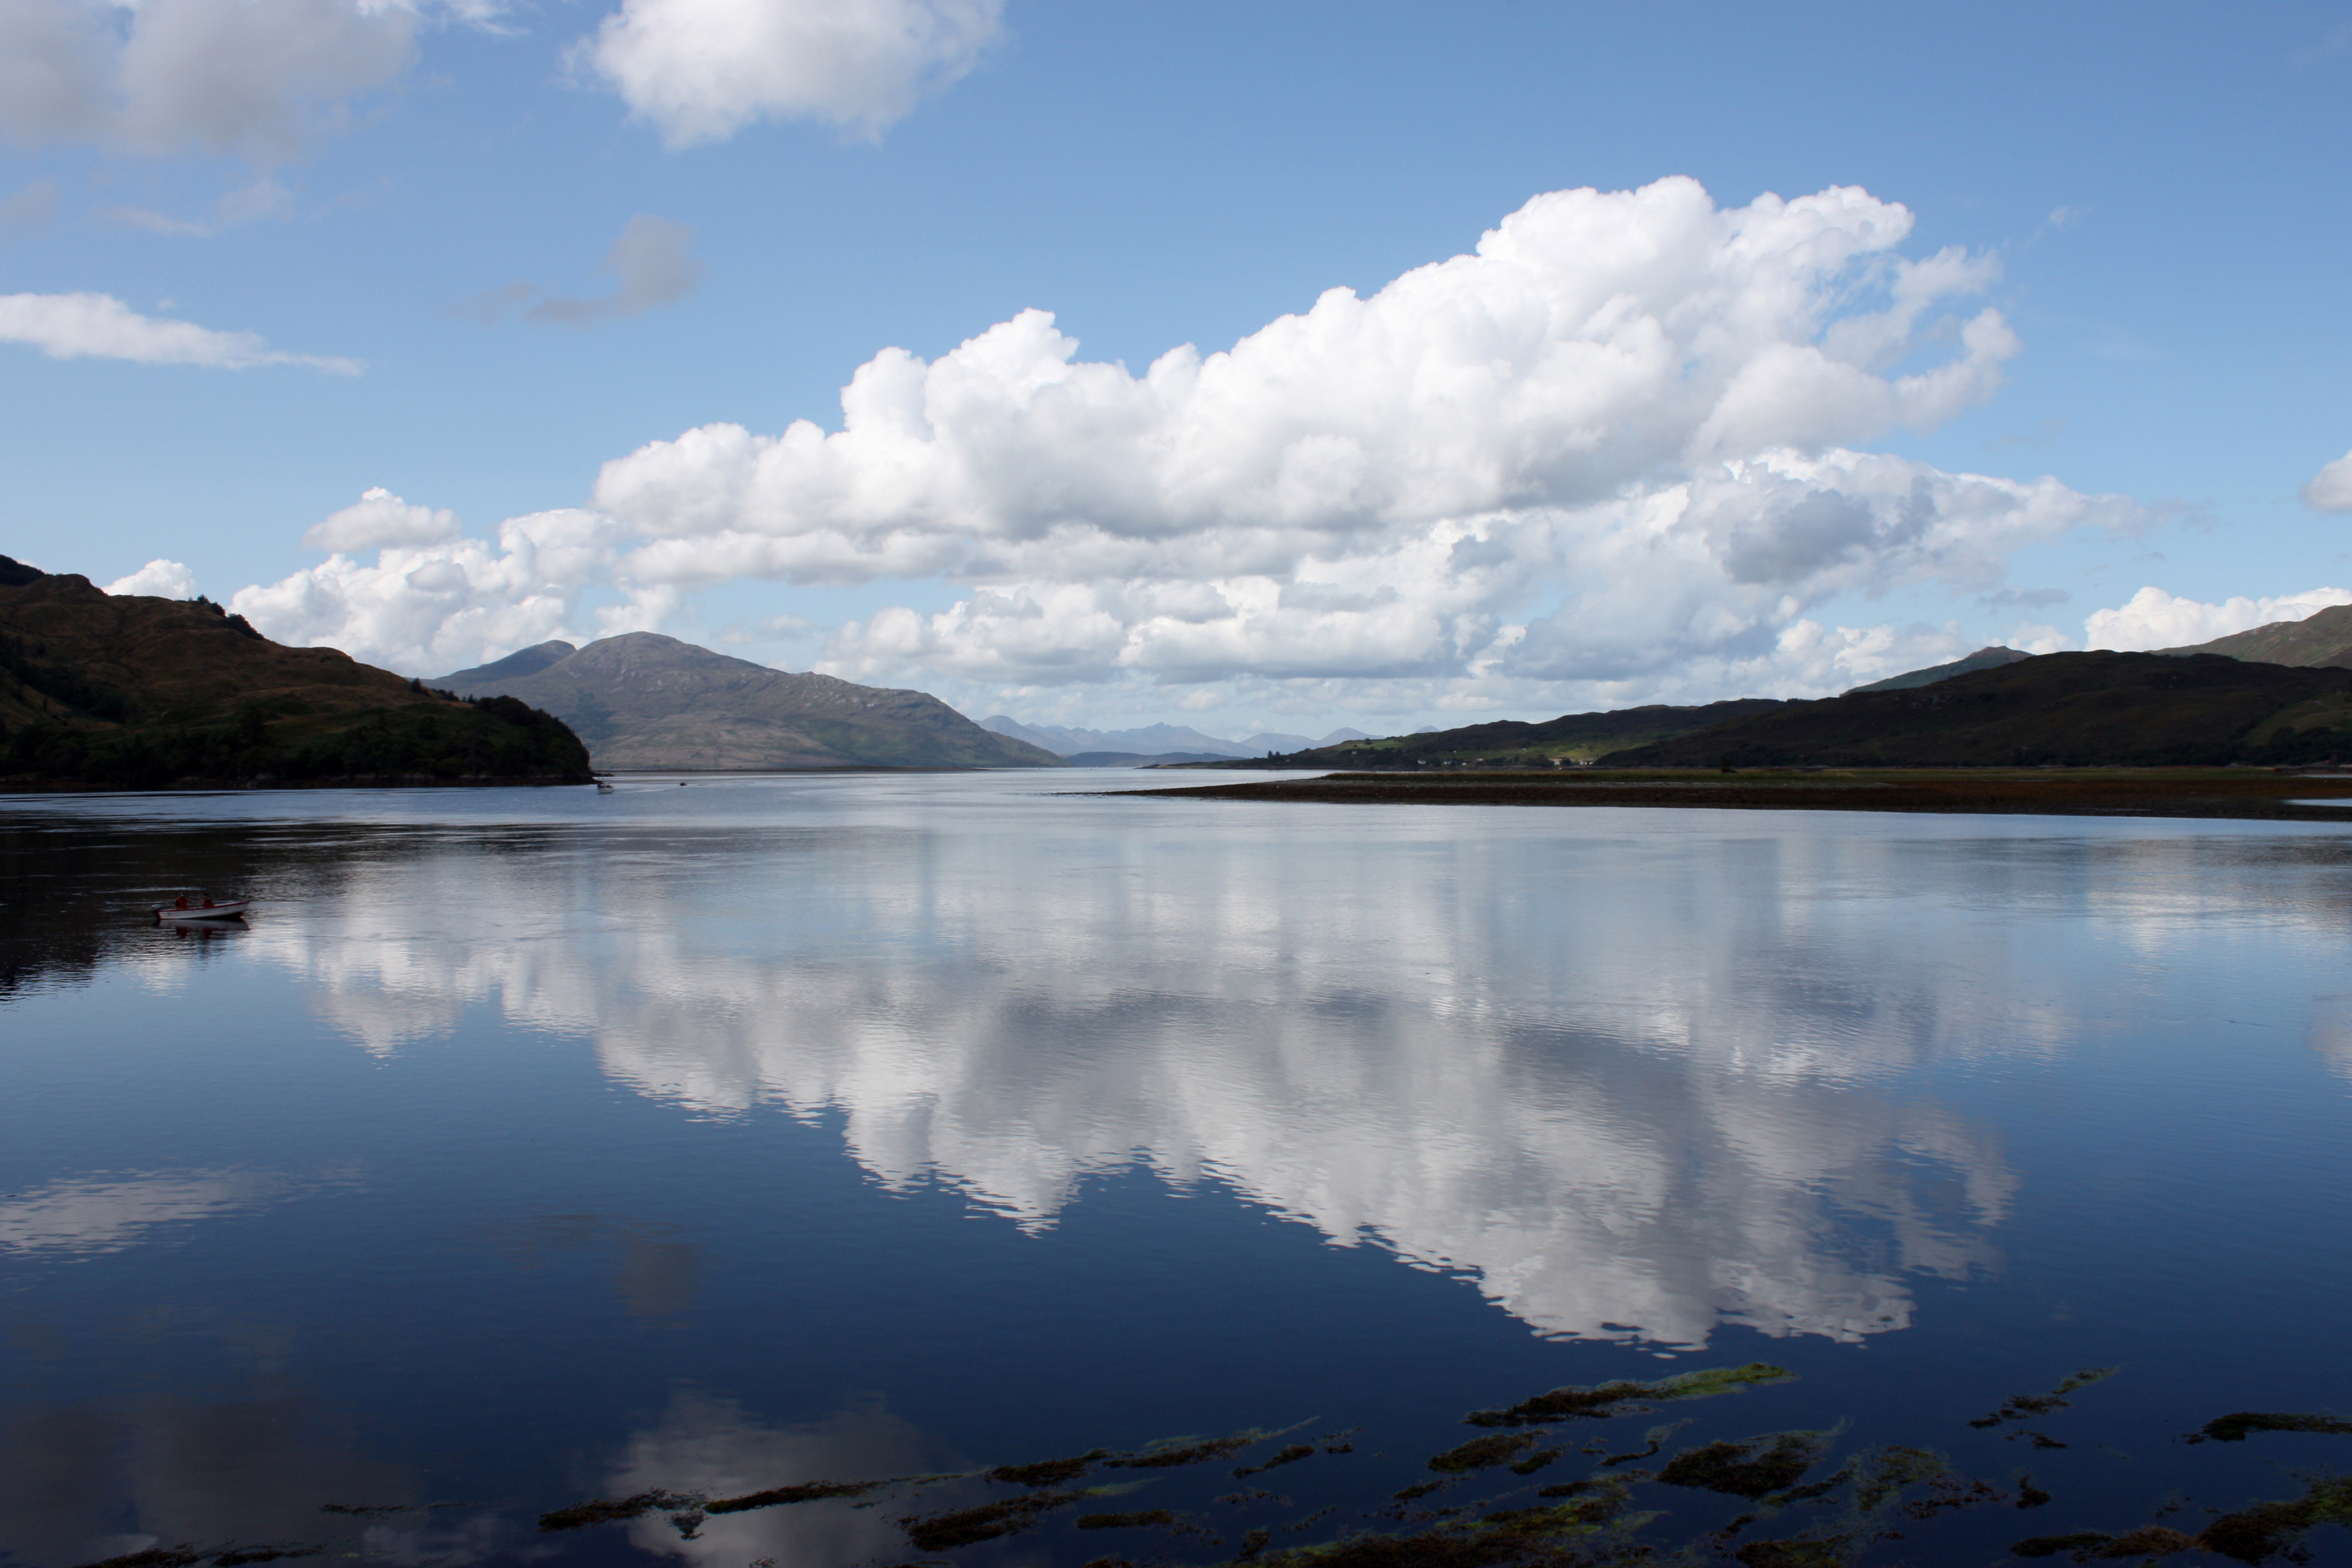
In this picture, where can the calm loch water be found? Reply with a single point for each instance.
(678, 1148)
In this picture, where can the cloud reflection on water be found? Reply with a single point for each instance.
(711, 1447)
(107, 1213)
(1635, 1089)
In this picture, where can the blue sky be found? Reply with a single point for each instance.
(2151, 201)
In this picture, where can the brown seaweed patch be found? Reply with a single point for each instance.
(1536, 1461)
(2235, 1428)
(1625, 1399)
(1289, 1455)
(611, 1511)
(2147, 1543)
(1651, 1441)
(1148, 1517)
(1187, 1454)
(186, 1555)
(775, 1497)
(1882, 1477)
(2077, 1544)
(941, 1531)
(1569, 1489)
(2028, 1494)
(1748, 1469)
(1873, 1482)
(2024, 1406)
(1485, 1453)
(1047, 1472)
(2271, 1530)
(1948, 1493)
(1554, 1537)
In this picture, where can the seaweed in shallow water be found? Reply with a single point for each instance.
(2271, 1530)
(2262, 1532)
(1769, 1464)
(964, 1526)
(2234, 1428)
(187, 1556)
(1158, 1516)
(1485, 1453)
(2024, 1406)
(611, 1511)
(1047, 1472)
(1624, 1398)
(1186, 1454)
(1589, 1531)
(807, 1491)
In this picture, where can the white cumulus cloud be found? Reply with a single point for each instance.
(99, 326)
(1615, 446)
(2153, 619)
(380, 517)
(1619, 453)
(2330, 489)
(158, 579)
(701, 70)
(258, 78)
(433, 602)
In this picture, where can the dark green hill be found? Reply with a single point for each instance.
(1572, 737)
(2325, 638)
(2106, 709)
(142, 693)
(644, 700)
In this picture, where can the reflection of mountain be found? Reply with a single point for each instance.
(1655, 1110)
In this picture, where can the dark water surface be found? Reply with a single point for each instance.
(528, 1148)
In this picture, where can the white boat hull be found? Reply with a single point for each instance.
(201, 912)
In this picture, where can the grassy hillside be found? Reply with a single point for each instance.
(143, 692)
(642, 701)
(1983, 658)
(1572, 737)
(2119, 709)
(2324, 639)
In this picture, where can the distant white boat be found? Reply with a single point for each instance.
(206, 910)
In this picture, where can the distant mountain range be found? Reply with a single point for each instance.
(645, 701)
(1160, 742)
(132, 692)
